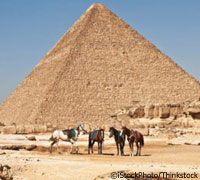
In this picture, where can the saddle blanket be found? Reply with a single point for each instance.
(93, 134)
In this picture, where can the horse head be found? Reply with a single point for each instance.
(125, 131)
(82, 128)
(111, 131)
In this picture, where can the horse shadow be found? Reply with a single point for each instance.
(145, 155)
(111, 154)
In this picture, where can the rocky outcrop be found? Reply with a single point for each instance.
(20, 129)
(185, 139)
(5, 172)
(18, 147)
(194, 109)
(151, 111)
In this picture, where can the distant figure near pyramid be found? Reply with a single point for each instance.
(100, 65)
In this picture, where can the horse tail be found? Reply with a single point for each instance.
(51, 138)
(103, 135)
(142, 140)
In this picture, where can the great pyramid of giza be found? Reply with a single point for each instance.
(100, 65)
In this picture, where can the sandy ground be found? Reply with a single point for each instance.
(39, 164)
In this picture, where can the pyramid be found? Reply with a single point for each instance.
(100, 65)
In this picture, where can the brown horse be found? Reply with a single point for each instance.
(96, 136)
(134, 136)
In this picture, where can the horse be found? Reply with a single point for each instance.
(96, 136)
(134, 136)
(119, 139)
(68, 135)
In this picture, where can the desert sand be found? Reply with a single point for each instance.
(157, 156)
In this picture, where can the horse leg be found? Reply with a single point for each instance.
(117, 144)
(89, 146)
(130, 146)
(122, 148)
(76, 147)
(123, 144)
(52, 146)
(72, 144)
(98, 147)
(140, 149)
(101, 143)
(137, 149)
(57, 146)
(121, 151)
(92, 146)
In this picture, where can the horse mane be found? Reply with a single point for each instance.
(127, 130)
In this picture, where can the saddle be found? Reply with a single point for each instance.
(133, 135)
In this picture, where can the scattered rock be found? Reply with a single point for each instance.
(2, 153)
(31, 138)
(172, 136)
(30, 147)
(12, 147)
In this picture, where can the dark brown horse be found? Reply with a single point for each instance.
(96, 136)
(119, 139)
(134, 136)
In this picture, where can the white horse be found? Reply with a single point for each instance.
(68, 135)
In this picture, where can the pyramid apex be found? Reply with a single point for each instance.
(96, 6)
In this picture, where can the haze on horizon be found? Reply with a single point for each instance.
(29, 29)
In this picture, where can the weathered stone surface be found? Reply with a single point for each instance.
(144, 131)
(40, 129)
(137, 112)
(9, 130)
(164, 111)
(153, 132)
(20, 129)
(149, 111)
(194, 109)
(28, 129)
(156, 112)
(25, 129)
(172, 136)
